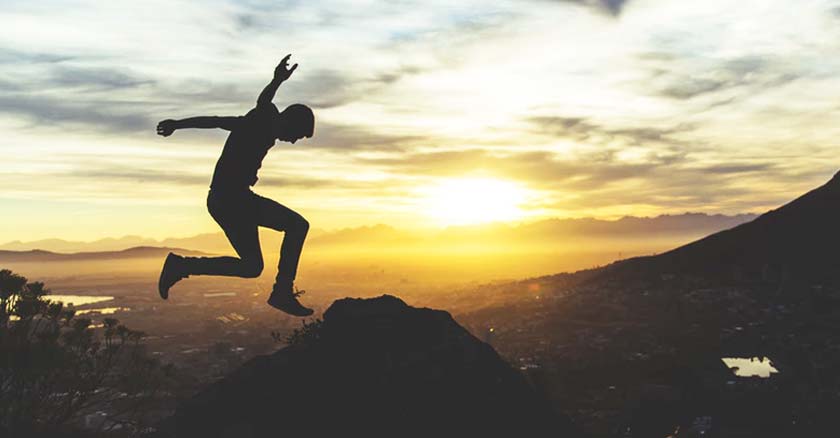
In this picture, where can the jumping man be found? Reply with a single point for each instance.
(237, 209)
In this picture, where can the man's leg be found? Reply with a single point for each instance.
(237, 217)
(271, 214)
(245, 241)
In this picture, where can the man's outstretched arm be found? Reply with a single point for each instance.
(168, 126)
(281, 73)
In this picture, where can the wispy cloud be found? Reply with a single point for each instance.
(52, 112)
(612, 7)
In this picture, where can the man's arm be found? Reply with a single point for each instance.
(168, 126)
(281, 73)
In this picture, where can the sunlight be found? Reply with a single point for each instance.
(468, 201)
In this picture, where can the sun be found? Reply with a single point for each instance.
(468, 201)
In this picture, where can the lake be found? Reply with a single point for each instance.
(750, 366)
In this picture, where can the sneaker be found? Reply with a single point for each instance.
(283, 298)
(170, 274)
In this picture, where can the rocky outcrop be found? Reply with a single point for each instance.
(373, 367)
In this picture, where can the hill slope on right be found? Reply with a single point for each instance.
(799, 240)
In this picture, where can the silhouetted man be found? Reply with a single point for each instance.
(237, 209)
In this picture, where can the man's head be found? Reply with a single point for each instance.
(296, 122)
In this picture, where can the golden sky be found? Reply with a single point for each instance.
(426, 112)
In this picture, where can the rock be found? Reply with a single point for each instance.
(374, 367)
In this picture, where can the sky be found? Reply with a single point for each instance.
(520, 110)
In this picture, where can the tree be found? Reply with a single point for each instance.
(54, 369)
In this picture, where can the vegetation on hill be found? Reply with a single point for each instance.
(57, 374)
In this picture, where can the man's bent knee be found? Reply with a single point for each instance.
(252, 268)
(299, 226)
(303, 226)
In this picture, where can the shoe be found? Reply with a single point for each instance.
(283, 298)
(170, 274)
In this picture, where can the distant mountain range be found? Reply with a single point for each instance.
(545, 232)
(130, 253)
(800, 240)
(108, 244)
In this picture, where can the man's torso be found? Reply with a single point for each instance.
(244, 150)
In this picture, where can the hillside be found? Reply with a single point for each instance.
(797, 241)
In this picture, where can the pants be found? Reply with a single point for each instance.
(239, 214)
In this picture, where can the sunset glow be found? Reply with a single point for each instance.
(474, 201)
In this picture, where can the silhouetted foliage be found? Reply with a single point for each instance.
(307, 334)
(54, 369)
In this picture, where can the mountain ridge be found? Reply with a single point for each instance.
(39, 255)
(560, 228)
(797, 240)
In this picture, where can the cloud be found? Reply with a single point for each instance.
(742, 168)
(96, 78)
(393, 75)
(685, 77)
(327, 88)
(10, 56)
(611, 7)
(580, 128)
(64, 94)
(324, 89)
(688, 88)
(167, 174)
(543, 169)
(357, 138)
(52, 112)
(596, 181)
(95, 99)
(140, 175)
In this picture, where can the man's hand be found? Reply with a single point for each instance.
(282, 71)
(166, 127)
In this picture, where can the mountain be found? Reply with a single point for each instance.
(683, 227)
(68, 246)
(799, 240)
(373, 367)
(627, 227)
(210, 242)
(131, 253)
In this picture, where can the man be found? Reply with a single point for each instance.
(237, 209)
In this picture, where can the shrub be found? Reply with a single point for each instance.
(306, 335)
(54, 369)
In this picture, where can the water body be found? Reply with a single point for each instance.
(78, 300)
(220, 294)
(750, 366)
(81, 300)
(103, 310)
